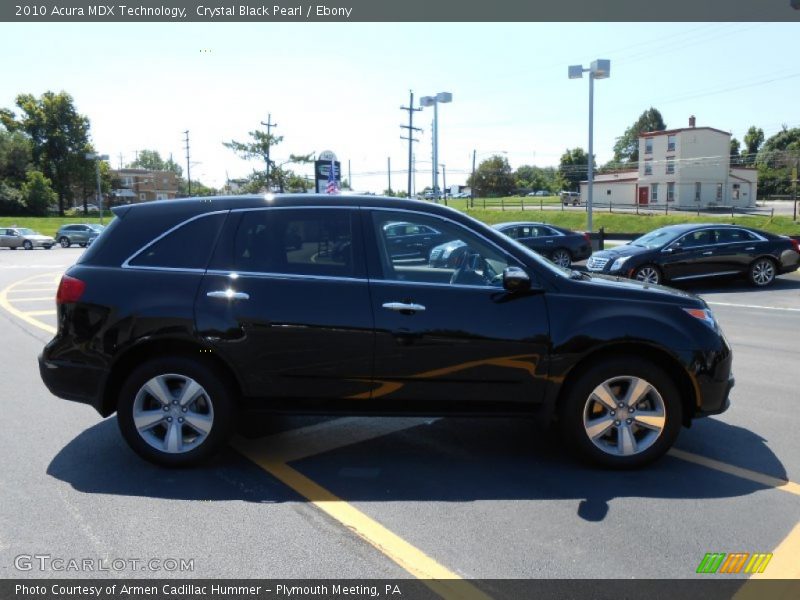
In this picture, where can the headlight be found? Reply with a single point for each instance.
(617, 264)
(704, 314)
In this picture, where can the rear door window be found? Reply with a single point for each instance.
(188, 246)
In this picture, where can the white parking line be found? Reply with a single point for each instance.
(757, 306)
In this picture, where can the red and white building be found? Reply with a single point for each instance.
(688, 168)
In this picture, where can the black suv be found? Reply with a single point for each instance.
(184, 313)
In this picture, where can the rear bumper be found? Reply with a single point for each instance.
(73, 381)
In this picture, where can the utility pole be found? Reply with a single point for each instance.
(444, 184)
(389, 167)
(796, 174)
(188, 165)
(269, 125)
(472, 185)
(349, 175)
(411, 139)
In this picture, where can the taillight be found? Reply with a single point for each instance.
(796, 244)
(587, 237)
(69, 290)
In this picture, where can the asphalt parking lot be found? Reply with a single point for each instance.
(384, 498)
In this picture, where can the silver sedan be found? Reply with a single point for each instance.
(22, 237)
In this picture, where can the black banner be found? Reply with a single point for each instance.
(713, 588)
(405, 11)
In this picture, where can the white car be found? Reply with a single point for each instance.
(22, 237)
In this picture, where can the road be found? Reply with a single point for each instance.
(387, 498)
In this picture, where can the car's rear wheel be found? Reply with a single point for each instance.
(64, 241)
(82, 244)
(27, 245)
(175, 412)
(561, 257)
(762, 272)
(648, 274)
(621, 413)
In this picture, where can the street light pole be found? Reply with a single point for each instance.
(97, 158)
(599, 69)
(441, 97)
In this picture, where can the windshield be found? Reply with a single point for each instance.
(97, 228)
(26, 231)
(655, 239)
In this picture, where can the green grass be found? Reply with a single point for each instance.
(572, 219)
(633, 223)
(49, 225)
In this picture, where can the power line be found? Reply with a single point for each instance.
(411, 139)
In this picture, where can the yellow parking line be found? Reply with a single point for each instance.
(436, 576)
(5, 304)
(40, 313)
(766, 480)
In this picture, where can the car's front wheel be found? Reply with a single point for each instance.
(648, 274)
(64, 241)
(175, 412)
(762, 272)
(622, 413)
(28, 245)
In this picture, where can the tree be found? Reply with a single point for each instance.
(735, 146)
(58, 136)
(529, 177)
(753, 139)
(15, 156)
(775, 160)
(274, 174)
(493, 177)
(626, 150)
(573, 168)
(152, 161)
(37, 195)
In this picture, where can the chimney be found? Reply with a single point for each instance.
(691, 121)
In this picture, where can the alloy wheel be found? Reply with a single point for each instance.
(648, 274)
(624, 416)
(763, 272)
(173, 413)
(64, 242)
(562, 258)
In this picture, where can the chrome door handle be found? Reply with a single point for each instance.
(750, 248)
(709, 253)
(403, 307)
(229, 295)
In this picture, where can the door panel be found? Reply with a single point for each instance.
(457, 344)
(297, 321)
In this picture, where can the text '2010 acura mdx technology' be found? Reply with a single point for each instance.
(184, 313)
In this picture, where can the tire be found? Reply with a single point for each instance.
(27, 245)
(48, 247)
(762, 272)
(598, 435)
(561, 257)
(82, 244)
(153, 432)
(648, 274)
(12, 247)
(64, 241)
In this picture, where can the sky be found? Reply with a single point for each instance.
(339, 87)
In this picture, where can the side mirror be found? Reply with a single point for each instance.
(516, 280)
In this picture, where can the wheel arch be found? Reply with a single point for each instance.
(687, 388)
(161, 348)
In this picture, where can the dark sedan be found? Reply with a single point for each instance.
(560, 245)
(410, 241)
(684, 252)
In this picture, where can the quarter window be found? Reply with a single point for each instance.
(299, 242)
(188, 247)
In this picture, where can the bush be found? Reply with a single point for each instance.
(10, 200)
(37, 195)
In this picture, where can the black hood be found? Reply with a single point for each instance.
(623, 250)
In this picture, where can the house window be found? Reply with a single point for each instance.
(671, 191)
(648, 145)
(736, 188)
(648, 167)
(142, 196)
(671, 143)
(608, 192)
(719, 191)
(654, 192)
(670, 165)
(697, 192)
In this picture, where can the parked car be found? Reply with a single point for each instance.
(22, 237)
(683, 252)
(560, 245)
(410, 240)
(77, 233)
(228, 319)
(573, 198)
(538, 193)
